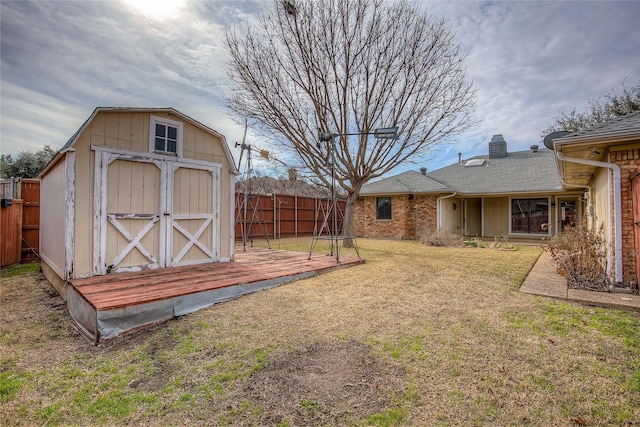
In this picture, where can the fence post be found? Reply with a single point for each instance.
(273, 208)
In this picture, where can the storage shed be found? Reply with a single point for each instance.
(136, 189)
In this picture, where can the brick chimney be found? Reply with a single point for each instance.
(497, 147)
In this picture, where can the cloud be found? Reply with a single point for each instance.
(530, 61)
(36, 119)
(74, 56)
(533, 60)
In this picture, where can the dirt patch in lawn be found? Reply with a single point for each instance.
(324, 385)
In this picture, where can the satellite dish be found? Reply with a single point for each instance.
(548, 140)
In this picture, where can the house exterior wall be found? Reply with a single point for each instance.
(409, 217)
(450, 215)
(496, 216)
(487, 216)
(601, 214)
(426, 207)
(628, 159)
(602, 208)
(474, 217)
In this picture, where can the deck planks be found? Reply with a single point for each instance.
(116, 291)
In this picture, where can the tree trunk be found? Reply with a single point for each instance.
(348, 228)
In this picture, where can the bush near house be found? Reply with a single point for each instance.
(581, 255)
(441, 238)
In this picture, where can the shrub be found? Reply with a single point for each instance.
(581, 256)
(441, 238)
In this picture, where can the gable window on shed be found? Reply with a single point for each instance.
(528, 215)
(165, 136)
(383, 208)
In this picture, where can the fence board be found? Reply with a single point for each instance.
(10, 231)
(283, 215)
(27, 239)
(30, 247)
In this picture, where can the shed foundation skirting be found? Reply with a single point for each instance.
(113, 307)
(82, 312)
(111, 323)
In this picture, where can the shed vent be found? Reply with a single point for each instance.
(497, 147)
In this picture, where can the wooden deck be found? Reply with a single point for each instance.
(106, 306)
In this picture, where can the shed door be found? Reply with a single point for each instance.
(194, 216)
(155, 213)
(132, 218)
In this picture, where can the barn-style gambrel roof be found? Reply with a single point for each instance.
(72, 141)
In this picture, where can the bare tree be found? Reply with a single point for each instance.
(350, 67)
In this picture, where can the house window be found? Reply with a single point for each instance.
(165, 136)
(383, 208)
(528, 215)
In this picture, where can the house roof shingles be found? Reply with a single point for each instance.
(622, 124)
(406, 182)
(518, 172)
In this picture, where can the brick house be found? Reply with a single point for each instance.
(516, 194)
(590, 177)
(605, 161)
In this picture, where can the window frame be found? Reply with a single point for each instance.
(539, 232)
(156, 120)
(383, 217)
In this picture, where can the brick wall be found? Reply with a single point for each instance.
(629, 161)
(406, 215)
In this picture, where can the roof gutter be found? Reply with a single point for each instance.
(611, 137)
(439, 208)
(617, 205)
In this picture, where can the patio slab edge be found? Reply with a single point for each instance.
(544, 280)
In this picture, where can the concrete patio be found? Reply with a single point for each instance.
(544, 280)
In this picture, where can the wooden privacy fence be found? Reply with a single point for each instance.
(19, 221)
(284, 216)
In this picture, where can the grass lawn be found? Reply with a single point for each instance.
(416, 336)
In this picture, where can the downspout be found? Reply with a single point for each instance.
(617, 205)
(439, 208)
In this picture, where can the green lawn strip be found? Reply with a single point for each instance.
(20, 269)
(11, 381)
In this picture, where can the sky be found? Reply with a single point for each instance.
(529, 60)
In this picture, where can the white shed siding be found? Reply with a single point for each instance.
(83, 221)
(52, 219)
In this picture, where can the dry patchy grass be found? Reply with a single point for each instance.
(416, 336)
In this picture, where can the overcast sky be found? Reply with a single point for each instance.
(61, 59)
